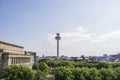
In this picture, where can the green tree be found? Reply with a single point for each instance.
(85, 72)
(78, 74)
(20, 72)
(63, 73)
(39, 75)
(94, 74)
(108, 74)
(117, 73)
(81, 64)
(67, 64)
(115, 65)
(35, 66)
(101, 65)
(44, 67)
(52, 63)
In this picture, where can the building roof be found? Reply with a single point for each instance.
(11, 44)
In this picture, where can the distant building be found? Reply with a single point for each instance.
(14, 54)
(105, 55)
(64, 58)
(92, 59)
(45, 58)
(76, 59)
(115, 57)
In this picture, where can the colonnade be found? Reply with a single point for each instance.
(19, 60)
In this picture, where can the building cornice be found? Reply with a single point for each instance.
(11, 44)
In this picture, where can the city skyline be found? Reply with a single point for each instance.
(86, 27)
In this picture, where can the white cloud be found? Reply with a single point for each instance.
(80, 41)
(112, 36)
(81, 30)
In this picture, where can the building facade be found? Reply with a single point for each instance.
(32, 53)
(14, 54)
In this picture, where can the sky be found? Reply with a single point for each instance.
(86, 27)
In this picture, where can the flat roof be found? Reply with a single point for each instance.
(11, 44)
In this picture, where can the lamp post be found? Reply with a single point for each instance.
(57, 38)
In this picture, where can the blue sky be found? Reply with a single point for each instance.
(89, 27)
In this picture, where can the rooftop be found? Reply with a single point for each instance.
(11, 44)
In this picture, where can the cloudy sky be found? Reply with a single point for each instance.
(86, 27)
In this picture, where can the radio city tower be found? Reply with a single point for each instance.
(57, 38)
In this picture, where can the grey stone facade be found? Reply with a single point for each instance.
(13, 54)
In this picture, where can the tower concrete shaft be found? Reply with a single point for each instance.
(58, 38)
(57, 49)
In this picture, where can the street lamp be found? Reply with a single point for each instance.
(57, 38)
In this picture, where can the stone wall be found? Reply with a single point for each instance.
(14, 54)
(0, 64)
(11, 48)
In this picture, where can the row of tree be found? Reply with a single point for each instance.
(20, 72)
(64, 70)
(63, 73)
(72, 64)
(69, 70)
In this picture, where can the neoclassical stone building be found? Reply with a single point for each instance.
(14, 54)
